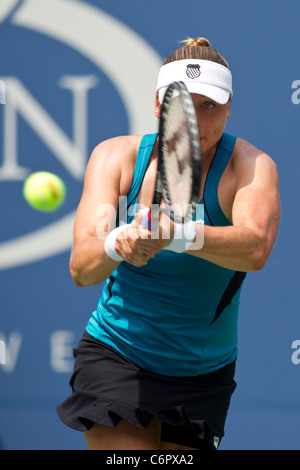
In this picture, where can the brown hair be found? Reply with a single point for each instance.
(198, 48)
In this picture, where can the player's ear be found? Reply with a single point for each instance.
(157, 106)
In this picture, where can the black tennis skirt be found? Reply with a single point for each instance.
(108, 388)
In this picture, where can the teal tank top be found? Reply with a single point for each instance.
(178, 314)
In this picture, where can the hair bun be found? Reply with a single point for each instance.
(203, 42)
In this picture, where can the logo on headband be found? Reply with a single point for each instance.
(193, 70)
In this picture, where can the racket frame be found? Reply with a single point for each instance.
(162, 187)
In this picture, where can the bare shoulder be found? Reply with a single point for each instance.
(245, 152)
(116, 150)
(126, 142)
(115, 159)
(249, 161)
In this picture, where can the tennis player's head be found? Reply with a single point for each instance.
(203, 70)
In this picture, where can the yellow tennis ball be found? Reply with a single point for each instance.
(44, 191)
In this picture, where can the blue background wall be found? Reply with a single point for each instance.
(113, 62)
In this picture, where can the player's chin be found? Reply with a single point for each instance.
(209, 145)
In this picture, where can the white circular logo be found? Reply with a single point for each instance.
(99, 37)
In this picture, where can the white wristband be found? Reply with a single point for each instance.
(184, 235)
(110, 243)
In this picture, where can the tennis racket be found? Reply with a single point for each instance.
(179, 158)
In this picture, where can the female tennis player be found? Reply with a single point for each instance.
(155, 366)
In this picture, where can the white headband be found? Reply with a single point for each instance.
(200, 76)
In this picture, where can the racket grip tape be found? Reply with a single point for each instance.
(148, 222)
(146, 218)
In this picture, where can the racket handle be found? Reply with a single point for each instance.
(146, 219)
(150, 218)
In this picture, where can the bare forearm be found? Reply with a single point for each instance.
(89, 264)
(233, 247)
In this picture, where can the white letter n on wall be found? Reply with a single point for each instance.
(71, 153)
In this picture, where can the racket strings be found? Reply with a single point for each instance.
(177, 150)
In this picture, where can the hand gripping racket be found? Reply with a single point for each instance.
(179, 158)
